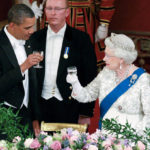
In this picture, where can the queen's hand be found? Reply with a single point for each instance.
(72, 78)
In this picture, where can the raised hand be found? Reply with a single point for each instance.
(31, 60)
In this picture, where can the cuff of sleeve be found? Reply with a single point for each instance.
(104, 23)
(23, 74)
(76, 89)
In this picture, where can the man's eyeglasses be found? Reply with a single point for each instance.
(56, 9)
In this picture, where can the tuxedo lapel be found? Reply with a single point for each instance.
(42, 47)
(66, 43)
(38, 42)
(28, 48)
(8, 49)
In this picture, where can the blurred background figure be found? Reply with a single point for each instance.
(93, 17)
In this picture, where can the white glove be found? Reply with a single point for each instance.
(38, 11)
(73, 80)
(102, 32)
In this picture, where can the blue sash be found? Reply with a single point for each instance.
(117, 92)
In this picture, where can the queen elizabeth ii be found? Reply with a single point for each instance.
(123, 89)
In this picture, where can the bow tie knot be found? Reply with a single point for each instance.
(21, 42)
(55, 35)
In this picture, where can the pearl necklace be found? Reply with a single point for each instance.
(119, 79)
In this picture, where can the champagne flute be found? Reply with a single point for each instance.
(38, 64)
(72, 70)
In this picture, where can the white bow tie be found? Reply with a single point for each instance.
(21, 42)
(55, 35)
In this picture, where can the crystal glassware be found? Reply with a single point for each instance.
(38, 64)
(72, 70)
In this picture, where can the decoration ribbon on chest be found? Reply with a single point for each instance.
(66, 52)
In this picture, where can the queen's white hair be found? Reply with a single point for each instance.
(122, 46)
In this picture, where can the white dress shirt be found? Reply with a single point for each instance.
(52, 56)
(18, 47)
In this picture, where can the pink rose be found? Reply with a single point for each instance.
(56, 145)
(128, 148)
(66, 136)
(109, 148)
(73, 139)
(140, 145)
(35, 144)
(88, 137)
(43, 133)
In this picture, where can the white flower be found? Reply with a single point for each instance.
(92, 147)
(63, 131)
(76, 133)
(98, 132)
(3, 144)
(28, 142)
(43, 133)
(14, 148)
(16, 139)
(48, 140)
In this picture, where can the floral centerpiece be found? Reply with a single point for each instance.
(69, 139)
(118, 137)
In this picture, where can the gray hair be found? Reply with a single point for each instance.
(19, 12)
(122, 46)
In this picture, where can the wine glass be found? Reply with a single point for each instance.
(72, 70)
(38, 64)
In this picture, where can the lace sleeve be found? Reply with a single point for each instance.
(145, 100)
(90, 92)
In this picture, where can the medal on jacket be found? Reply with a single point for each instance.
(66, 52)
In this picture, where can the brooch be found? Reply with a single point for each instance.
(133, 79)
(66, 52)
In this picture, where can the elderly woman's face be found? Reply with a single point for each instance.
(112, 62)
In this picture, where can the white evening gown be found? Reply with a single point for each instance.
(133, 106)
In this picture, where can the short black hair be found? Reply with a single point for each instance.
(19, 12)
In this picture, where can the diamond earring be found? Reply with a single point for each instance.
(120, 66)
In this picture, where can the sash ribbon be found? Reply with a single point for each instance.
(117, 92)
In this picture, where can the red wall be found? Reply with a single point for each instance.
(5, 5)
(131, 15)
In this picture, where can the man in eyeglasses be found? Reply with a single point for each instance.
(63, 47)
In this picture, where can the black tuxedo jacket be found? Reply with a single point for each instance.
(81, 54)
(11, 79)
